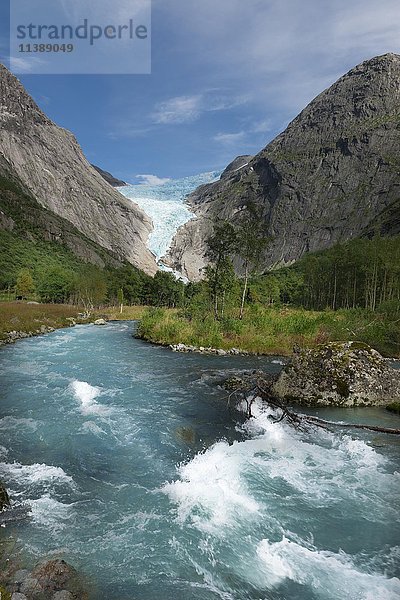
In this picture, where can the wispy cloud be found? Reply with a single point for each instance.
(182, 109)
(152, 180)
(187, 109)
(229, 139)
(262, 126)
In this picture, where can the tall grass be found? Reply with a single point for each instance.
(19, 316)
(272, 330)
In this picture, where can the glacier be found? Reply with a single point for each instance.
(165, 205)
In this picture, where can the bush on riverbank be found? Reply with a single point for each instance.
(271, 330)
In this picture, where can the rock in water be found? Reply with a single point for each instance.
(338, 374)
(4, 499)
(100, 322)
(51, 577)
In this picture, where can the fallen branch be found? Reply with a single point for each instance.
(352, 425)
(256, 389)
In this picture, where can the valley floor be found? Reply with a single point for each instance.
(269, 331)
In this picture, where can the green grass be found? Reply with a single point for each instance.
(129, 313)
(272, 330)
(19, 316)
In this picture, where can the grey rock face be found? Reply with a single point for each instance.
(236, 165)
(338, 374)
(325, 179)
(50, 164)
(109, 178)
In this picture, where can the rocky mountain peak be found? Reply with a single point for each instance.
(16, 106)
(325, 179)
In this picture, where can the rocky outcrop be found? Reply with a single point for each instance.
(109, 178)
(338, 374)
(238, 163)
(49, 163)
(51, 580)
(325, 179)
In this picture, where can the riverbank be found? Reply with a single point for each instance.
(20, 320)
(271, 331)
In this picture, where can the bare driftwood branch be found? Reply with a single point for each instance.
(256, 389)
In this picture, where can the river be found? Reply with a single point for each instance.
(136, 473)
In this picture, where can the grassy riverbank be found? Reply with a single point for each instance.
(272, 331)
(129, 313)
(28, 318)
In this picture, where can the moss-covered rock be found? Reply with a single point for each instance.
(4, 499)
(394, 407)
(338, 374)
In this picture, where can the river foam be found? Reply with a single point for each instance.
(254, 485)
(86, 395)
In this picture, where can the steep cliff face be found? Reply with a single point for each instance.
(49, 163)
(325, 179)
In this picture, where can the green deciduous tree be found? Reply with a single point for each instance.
(55, 285)
(220, 273)
(251, 241)
(24, 286)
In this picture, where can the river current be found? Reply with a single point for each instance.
(133, 469)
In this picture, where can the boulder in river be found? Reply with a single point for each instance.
(338, 374)
(52, 577)
(100, 322)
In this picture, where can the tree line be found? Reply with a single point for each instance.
(93, 287)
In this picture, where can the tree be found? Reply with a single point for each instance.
(251, 240)
(219, 275)
(166, 290)
(121, 299)
(24, 285)
(91, 288)
(55, 285)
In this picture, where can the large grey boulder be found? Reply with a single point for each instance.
(52, 577)
(338, 374)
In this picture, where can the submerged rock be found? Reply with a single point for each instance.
(338, 374)
(4, 499)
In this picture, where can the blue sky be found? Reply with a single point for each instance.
(227, 76)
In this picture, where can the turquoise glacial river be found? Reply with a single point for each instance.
(133, 470)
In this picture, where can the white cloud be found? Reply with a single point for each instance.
(187, 109)
(152, 179)
(262, 126)
(230, 138)
(24, 65)
(182, 109)
(283, 51)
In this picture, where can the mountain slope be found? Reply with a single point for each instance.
(25, 218)
(323, 180)
(109, 178)
(49, 164)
